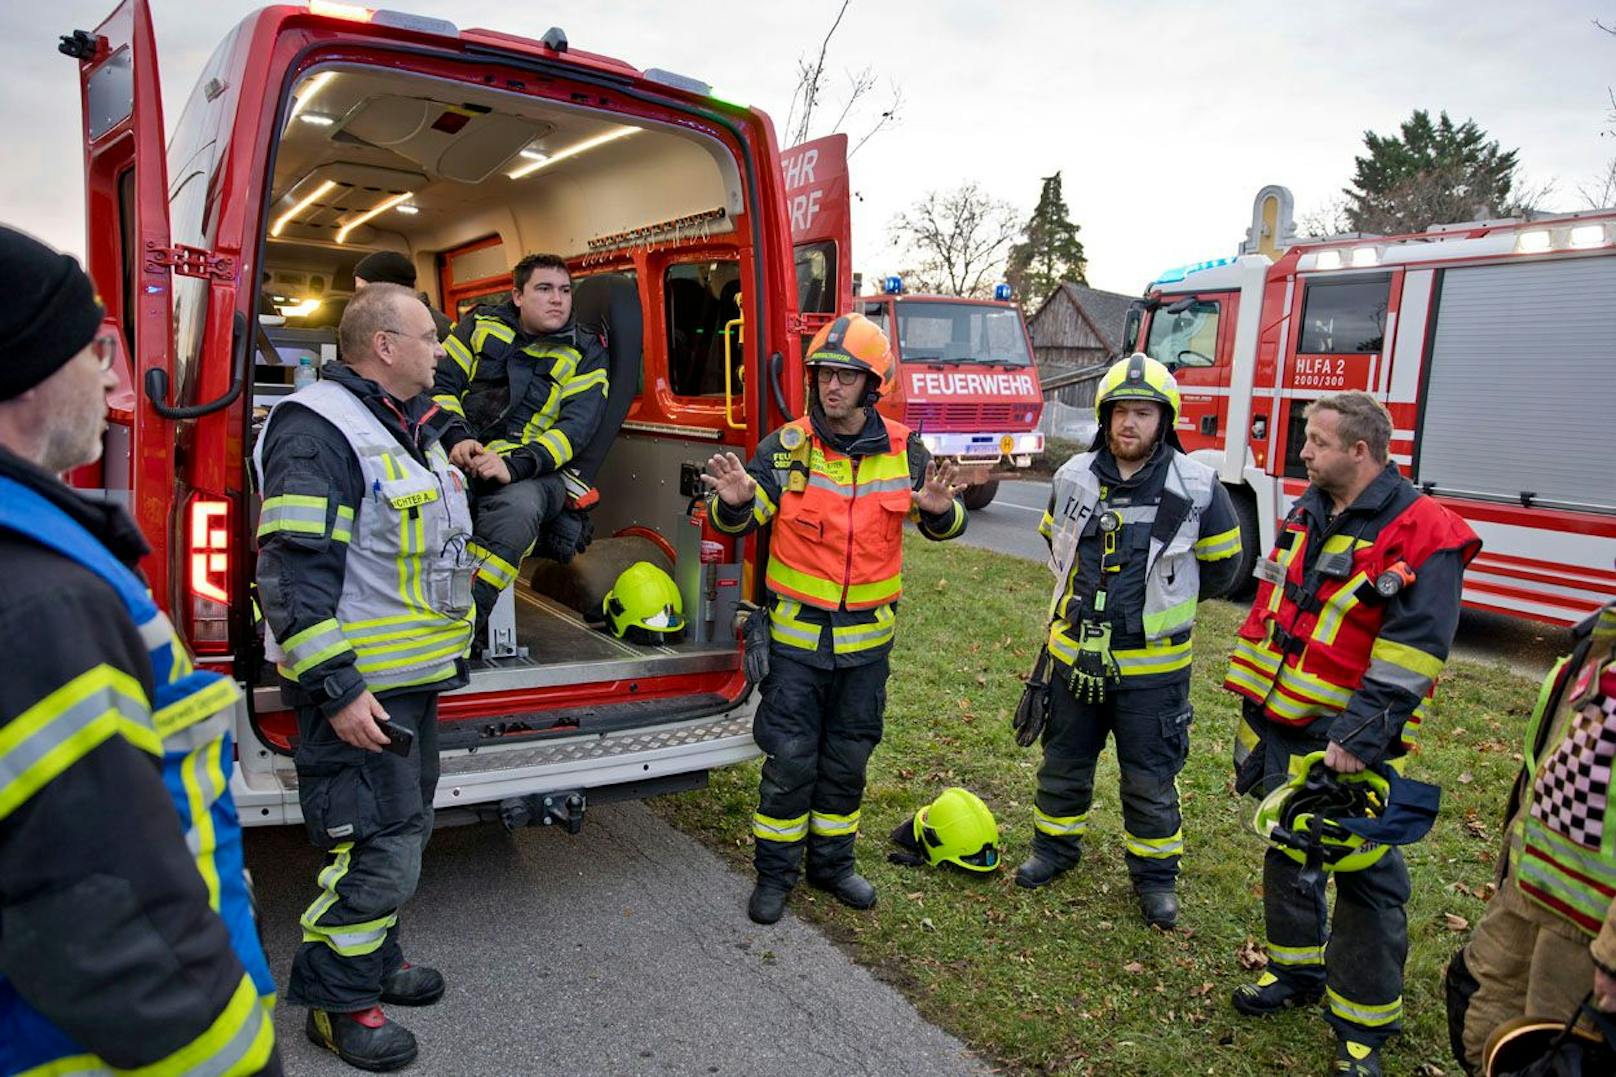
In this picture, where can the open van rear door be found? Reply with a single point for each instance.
(127, 246)
(821, 227)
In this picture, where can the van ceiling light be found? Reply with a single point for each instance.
(1328, 260)
(302, 308)
(408, 209)
(1587, 235)
(573, 151)
(309, 90)
(305, 203)
(380, 207)
(1363, 257)
(531, 154)
(318, 119)
(1534, 242)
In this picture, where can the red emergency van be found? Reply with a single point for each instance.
(320, 132)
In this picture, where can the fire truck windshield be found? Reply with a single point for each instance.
(959, 333)
(1188, 338)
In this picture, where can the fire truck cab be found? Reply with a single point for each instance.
(320, 132)
(965, 379)
(1492, 344)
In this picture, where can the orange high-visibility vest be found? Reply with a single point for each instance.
(839, 542)
(1302, 658)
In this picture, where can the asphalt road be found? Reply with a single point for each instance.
(1010, 525)
(624, 949)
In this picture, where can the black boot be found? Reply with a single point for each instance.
(1039, 870)
(854, 891)
(413, 985)
(365, 1038)
(1271, 995)
(1159, 907)
(768, 903)
(1354, 1059)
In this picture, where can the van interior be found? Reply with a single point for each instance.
(464, 180)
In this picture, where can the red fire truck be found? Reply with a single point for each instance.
(966, 380)
(320, 132)
(1492, 343)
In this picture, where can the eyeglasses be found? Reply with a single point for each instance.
(840, 375)
(429, 338)
(105, 348)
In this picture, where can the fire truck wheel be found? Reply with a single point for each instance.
(1245, 508)
(980, 496)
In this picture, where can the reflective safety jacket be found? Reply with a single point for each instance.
(1563, 829)
(398, 612)
(1153, 545)
(534, 400)
(1322, 641)
(124, 946)
(836, 546)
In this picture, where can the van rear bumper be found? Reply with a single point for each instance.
(264, 783)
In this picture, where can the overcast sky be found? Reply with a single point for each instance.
(1165, 118)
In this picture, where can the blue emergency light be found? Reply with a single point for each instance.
(1001, 292)
(892, 285)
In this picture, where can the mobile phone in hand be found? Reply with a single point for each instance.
(399, 739)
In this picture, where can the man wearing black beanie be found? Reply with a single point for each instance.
(391, 267)
(114, 957)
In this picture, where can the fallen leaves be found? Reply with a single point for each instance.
(1251, 955)
(1455, 922)
(1133, 967)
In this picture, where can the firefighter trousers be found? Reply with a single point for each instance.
(817, 728)
(1522, 961)
(506, 522)
(1358, 958)
(1152, 731)
(372, 814)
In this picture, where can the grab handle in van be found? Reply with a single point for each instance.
(777, 363)
(734, 330)
(156, 382)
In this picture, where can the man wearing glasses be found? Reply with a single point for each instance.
(837, 486)
(364, 579)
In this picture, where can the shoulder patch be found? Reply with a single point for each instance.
(791, 436)
(780, 461)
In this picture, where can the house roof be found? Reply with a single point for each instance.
(1106, 312)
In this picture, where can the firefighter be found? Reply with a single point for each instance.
(1549, 934)
(364, 577)
(837, 486)
(128, 942)
(522, 389)
(1355, 611)
(391, 267)
(1138, 534)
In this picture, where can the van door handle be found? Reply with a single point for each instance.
(777, 363)
(1209, 424)
(156, 381)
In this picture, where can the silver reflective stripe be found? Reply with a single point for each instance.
(871, 633)
(1139, 661)
(798, 635)
(66, 725)
(229, 1056)
(156, 631)
(825, 482)
(1398, 676)
(277, 515)
(198, 733)
(313, 648)
(885, 486)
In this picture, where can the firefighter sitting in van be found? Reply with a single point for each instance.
(523, 389)
(837, 486)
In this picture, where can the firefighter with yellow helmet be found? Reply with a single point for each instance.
(1139, 533)
(835, 487)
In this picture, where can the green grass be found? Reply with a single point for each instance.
(1068, 979)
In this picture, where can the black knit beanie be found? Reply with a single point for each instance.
(48, 311)
(386, 267)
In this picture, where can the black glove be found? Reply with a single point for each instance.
(569, 533)
(1032, 713)
(755, 635)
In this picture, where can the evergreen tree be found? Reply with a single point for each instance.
(1050, 251)
(1431, 173)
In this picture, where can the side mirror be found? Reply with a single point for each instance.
(1182, 305)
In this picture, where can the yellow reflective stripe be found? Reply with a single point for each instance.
(1163, 622)
(1335, 611)
(297, 513)
(315, 644)
(763, 506)
(557, 444)
(1059, 825)
(352, 940)
(784, 627)
(1239, 676)
(453, 648)
(1293, 956)
(483, 328)
(1217, 547)
(768, 828)
(502, 446)
(1257, 654)
(956, 522)
(712, 517)
(342, 530)
(1368, 1014)
(203, 780)
(584, 382)
(850, 639)
(1412, 659)
(1283, 560)
(464, 359)
(1155, 848)
(184, 713)
(1046, 526)
(879, 591)
(409, 640)
(1167, 658)
(829, 825)
(450, 403)
(782, 575)
(492, 567)
(1343, 544)
(66, 725)
(1308, 686)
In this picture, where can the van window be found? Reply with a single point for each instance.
(1188, 338)
(700, 299)
(1344, 317)
(816, 278)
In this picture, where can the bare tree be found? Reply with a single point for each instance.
(1326, 219)
(956, 239)
(1602, 191)
(810, 94)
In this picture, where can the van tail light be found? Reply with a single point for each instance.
(208, 574)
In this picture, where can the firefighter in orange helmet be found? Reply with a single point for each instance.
(836, 486)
